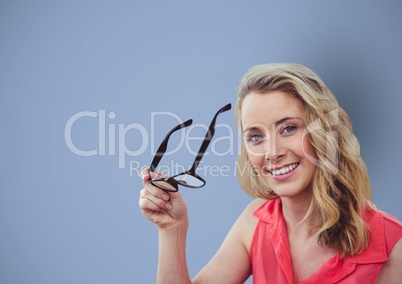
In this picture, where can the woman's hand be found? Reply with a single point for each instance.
(165, 209)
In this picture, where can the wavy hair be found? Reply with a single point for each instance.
(341, 186)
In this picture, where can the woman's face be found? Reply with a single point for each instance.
(277, 142)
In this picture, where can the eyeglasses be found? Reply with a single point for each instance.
(188, 178)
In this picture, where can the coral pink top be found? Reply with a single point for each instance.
(270, 253)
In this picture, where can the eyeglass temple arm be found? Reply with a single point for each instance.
(162, 148)
(208, 138)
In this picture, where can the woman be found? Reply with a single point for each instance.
(312, 220)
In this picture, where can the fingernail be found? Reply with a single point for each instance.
(168, 206)
(165, 197)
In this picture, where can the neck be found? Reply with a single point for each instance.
(294, 211)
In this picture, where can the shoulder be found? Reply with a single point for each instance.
(248, 213)
(391, 224)
(253, 211)
(247, 221)
(254, 206)
(391, 271)
(231, 264)
(391, 228)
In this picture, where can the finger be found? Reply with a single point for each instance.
(159, 174)
(146, 174)
(160, 203)
(146, 206)
(156, 191)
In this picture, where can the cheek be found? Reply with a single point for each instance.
(296, 145)
(308, 148)
(256, 161)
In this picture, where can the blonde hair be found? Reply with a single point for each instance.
(341, 186)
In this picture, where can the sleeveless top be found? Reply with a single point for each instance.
(270, 254)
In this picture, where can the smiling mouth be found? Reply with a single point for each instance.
(283, 170)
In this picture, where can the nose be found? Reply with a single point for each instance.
(273, 149)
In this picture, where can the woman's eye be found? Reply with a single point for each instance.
(289, 129)
(255, 138)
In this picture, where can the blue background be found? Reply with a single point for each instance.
(71, 219)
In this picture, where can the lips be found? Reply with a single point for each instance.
(283, 170)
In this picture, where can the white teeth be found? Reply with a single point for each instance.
(284, 170)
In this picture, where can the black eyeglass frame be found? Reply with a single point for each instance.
(192, 171)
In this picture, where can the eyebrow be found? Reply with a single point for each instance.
(286, 119)
(282, 120)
